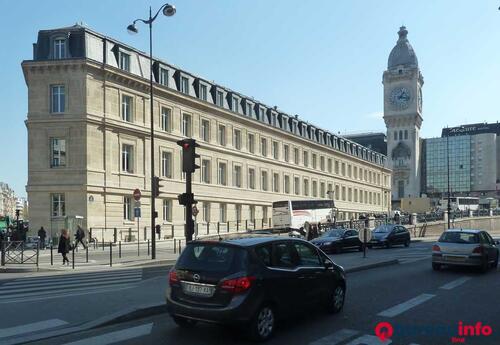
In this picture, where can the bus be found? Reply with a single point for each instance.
(293, 214)
(461, 203)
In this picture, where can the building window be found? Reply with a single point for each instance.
(222, 135)
(361, 196)
(251, 143)
(306, 187)
(406, 134)
(401, 189)
(57, 99)
(322, 163)
(127, 158)
(167, 210)
(329, 165)
(276, 182)
(163, 76)
(205, 130)
(126, 108)
(343, 169)
(314, 160)
(127, 208)
(315, 189)
(263, 180)
(286, 184)
(264, 213)
(58, 205)
(349, 194)
(237, 139)
(57, 152)
(238, 213)
(286, 153)
(235, 105)
(337, 192)
(185, 85)
(296, 155)
(59, 48)
(275, 150)
(296, 185)
(206, 211)
(337, 167)
(166, 119)
(166, 164)
(305, 159)
(322, 191)
(349, 170)
(252, 212)
(251, 178)
(124, 62)
(395, 135)
(203, 92)
(222, 174)
(223, 213)
(248, 110)
(355, 172)
(263, 147)
(187, 126)
(237, 176)
(219, 99)
(205, 171)
(343, 194)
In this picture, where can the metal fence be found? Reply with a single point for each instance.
(17, 252)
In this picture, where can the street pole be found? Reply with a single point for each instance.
(189, 230)
(448, 173)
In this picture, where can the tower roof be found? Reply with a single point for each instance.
(402, 53)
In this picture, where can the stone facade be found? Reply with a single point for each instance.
(7, 201)
(89, 143)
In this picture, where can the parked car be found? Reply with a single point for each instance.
(252, 282)
(461, 247)
(390, 234)
(336, 240)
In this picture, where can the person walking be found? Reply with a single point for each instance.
(79, 236)
(64, 245)
(42, 234)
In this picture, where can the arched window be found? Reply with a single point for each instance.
(395, 135)
(406, 134)
(400, 135)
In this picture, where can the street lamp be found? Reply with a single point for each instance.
(168, 10)
(448, 173)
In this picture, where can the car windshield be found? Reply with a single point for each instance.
(383, 228)
(212, 257)
(459, 237)
(333, 233)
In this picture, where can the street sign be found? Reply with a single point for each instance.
(195, 211)
(365, 235)
(137, 204)
(137, 194)
(137, 212)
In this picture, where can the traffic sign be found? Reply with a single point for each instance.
(137, 194)
(195, 210)
(365, 235)
(137, 212)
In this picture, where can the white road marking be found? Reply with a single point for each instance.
(402, 307)
(369, 340)
(115, 337)
(62, 277)
(335, 338)
(31, 327)
(455, 283)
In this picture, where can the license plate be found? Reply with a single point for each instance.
(199, 290)
(454, 258)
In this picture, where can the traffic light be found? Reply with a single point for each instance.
(156, 186)
(17, 213)
(189, 155)
(186, 199)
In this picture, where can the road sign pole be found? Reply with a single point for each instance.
(364, 243)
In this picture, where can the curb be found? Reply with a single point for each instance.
(371, 266)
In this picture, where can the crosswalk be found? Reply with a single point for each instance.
(351, 337)
(48, 287)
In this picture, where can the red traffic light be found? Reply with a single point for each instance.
(185, 146)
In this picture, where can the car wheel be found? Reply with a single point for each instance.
(388, 244)
(337, 249)
(183, 322)
(262, 326)
(436, 266)
(495, 263)
(484, 265)
(407, 243)
(337, 299)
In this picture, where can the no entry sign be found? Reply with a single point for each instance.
(137, 194)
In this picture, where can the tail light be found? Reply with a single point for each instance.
(172, 277)
(478, 250)
(436, 248)
(237, 285)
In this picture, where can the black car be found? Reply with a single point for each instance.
(390, 234)
(336, 240)
(252, 282)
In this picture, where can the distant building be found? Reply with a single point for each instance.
(7, 200)
(375, 141)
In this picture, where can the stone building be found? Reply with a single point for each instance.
(88, 142)
(7, 201)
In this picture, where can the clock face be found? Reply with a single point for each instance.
(400, 97)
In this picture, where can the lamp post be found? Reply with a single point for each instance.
(448, 173)
(168, 10)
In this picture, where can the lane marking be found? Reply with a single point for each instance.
(335, 338)
(455, 283)
(31, 327)
(369, 340)
(61, 277)
(402, 307)
(116, 336)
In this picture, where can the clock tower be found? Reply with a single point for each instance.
(403, 117)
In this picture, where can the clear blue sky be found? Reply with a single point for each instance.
(320, 59)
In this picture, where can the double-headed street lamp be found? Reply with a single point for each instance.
(169, 11)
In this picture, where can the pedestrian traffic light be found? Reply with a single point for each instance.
(156, 186)
(186, 199)
(189, 155)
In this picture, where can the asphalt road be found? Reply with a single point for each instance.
(423, 306)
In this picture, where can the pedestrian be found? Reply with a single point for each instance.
(64, 245)
(79, 236)
(42, 234)
(158, 230)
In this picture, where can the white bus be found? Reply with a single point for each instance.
(461, 203)
(293, 214)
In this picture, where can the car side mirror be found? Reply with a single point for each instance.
(328, 264)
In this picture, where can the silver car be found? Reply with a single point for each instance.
(463, 247)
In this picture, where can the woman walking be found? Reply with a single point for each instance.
(64, 245)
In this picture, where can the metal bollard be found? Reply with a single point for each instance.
(87, 254)
(148, 247)
(208, 228)
(73, 258)
(138, 253)
(103, 244)
(51, 256)
(218, 227)
(180, 250)
(227, 226)
(120, 249)
(110, 254)
(2, 254)
(175, 247)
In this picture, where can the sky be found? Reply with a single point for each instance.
(322, 59)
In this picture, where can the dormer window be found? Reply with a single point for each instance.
(248, 109)
(203, 92)
(59, 48)
(124, 61)
(164, 76)
(185, 85)
(235, 106)
(219, 99)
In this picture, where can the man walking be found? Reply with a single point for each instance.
(42, 234)
(79, 236)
